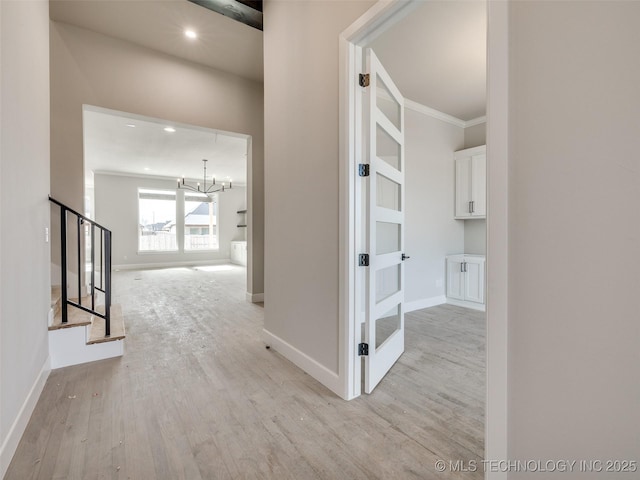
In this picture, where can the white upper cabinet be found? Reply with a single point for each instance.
(471, 183)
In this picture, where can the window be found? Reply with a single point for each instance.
(157, 220)
(200, 222)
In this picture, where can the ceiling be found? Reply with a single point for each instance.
(442, 64)
(222, 42)
(147, 149)
(443, 44)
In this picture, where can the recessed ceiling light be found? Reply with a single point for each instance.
(190, 34)
(169, 129)
(131, 125)
(146, 169)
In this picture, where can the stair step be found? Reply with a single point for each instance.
(75, 318)
(56, 295)
(96, 334)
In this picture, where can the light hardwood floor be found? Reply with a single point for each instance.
(197, 396)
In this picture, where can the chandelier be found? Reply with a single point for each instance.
(205, 189)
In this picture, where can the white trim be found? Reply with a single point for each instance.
(430, 112)
(255, 297)
(445, 117)
(424, 303)
(16, 431)
(497, 274)
(463, 303)
(329, 379)
(475, 121)
(186, 263)
(380, 17)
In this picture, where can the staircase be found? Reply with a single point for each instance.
(86, 327)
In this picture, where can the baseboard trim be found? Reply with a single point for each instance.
(10, 443)
(255, 297)
(322, 374)
(193, 263)
(424, 303)
(471, 305)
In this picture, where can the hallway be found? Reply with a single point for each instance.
(197, 396)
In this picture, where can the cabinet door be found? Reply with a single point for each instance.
(479, 185)
(455, 277)
(463, 187)
(243, 254)
(474, 280)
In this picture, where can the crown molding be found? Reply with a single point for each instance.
(445, 117)
(154, 177)
(476, 121)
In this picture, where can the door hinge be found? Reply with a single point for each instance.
(363, 79)
(363, 260)
(363, 169)
(363, 349)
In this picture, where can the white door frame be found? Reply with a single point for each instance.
(381, 16)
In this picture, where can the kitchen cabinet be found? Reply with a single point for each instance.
(471, 183)
(465, 280)
(238, 254)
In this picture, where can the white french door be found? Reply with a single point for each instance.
(384, 204)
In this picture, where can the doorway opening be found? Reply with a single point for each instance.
(360, 34)
(144, 177)
(423, 136)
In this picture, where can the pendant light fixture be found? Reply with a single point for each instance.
(205, 189)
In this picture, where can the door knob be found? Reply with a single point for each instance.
(404, 257)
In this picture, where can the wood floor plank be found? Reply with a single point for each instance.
(197, 396)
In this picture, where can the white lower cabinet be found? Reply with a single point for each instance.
(465, 280)
(238, 254)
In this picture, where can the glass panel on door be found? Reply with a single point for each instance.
(387, 104)
(387, 149)
(387, 237)
(388, 193)
(387, 282)
(387, 325)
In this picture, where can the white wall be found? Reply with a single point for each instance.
(431, 232)
(475, 236)
(89, 68)
(574, 271)
(116, 207)
(24, 214)
(301, 172)
(475, 135)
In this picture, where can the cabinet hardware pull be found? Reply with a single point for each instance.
(473, 206)
(470, 207)
(462, 267)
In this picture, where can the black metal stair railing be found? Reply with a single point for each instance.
(104, 277)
